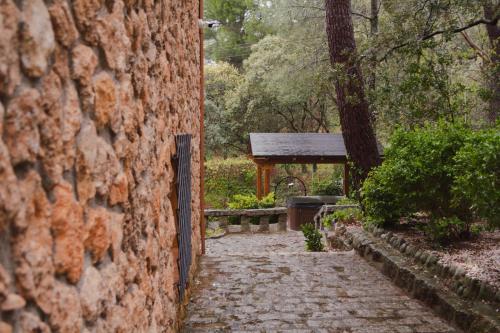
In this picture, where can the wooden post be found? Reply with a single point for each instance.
(346, 179)
(259, 182)
(267, 180)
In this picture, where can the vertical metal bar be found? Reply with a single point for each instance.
(202, 134)
(183, 167)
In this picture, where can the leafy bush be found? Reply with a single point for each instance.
(313, 237)
(327, 187)
(267, 201)
(244, 201)
(225, 178)
(348, 215)
(444, 230)
(477, 175)
(343, 216)
(417, 175)
(250, 201)
(328, 220)
(448, 172)
(347, 201)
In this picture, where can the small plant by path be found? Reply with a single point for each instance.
(313, 238)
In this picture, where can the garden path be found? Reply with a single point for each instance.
(269, 283)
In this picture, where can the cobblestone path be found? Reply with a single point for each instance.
(268, 283)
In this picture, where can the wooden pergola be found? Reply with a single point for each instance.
(269, 149)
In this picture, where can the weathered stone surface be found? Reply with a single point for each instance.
(84, 63)
(106, 110)
(85, 14)
(21, 133)
(10, 75)
(71, 121)
(31, 323)
(67, 228)
(13, 302)
(119, 190)
(98, 234)
(92, 94)
(62, 20)
(113, 38)
(66, 315)
(92, 294)
(5, 328)
(32, 247)
(37, 38)
(96, 163)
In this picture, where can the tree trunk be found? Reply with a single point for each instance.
(372, 78)
(493, 81)
(357, 131)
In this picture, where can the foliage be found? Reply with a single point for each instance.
(313, 238)
(417, 175)
(250, 201)
(219, 79)
(267, 201)
(327, 187)
(343, 216)
(328, 221)
(449, 172)
(225, 178)
(348, 215)
(244, 201)
(477, 175)
(347, 201)
(241, 25)
(446, 229)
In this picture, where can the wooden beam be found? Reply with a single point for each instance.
(272, 160)
(267, 180)
(259, 182)
(346, 179)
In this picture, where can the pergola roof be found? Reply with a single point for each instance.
(297, 148)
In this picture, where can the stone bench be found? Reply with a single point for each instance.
(246, 215)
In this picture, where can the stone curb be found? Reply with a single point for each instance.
(419, 279)
(454, 276)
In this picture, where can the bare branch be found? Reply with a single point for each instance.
(494, 21)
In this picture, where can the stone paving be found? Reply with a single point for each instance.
(269, 283)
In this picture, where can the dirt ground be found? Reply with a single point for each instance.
(479, 257)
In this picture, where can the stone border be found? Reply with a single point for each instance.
(466, 287)
(420, 278)
(246, 215)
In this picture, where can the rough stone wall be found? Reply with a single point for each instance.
(92, 93)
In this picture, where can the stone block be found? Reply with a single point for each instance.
(264, 223)
(245, 224)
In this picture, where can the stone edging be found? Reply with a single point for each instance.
(423, 280)
(464, 286)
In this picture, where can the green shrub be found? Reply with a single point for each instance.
(446, 229)
(347, 201)
(327, 187)
(250, 201)
(477, 175)
(313, 238)
(267, 201)
(416, 176)
(328, 220)
(348, 215)
(225, 178)
(343, 216)
(244, 201)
